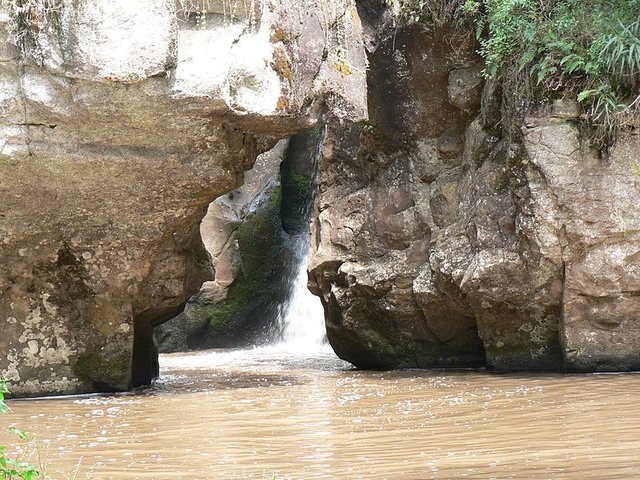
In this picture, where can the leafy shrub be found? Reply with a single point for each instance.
(438, 12)
(13, 468)
(3, 391)
(590, 48)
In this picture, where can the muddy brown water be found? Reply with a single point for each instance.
(264, 414)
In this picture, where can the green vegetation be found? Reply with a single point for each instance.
(12, 468)
(544, 49)
(3, 390)
(298, 189)
(297, 173)
(104, 371)
(262, 252)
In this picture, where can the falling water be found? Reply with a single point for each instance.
(301, 318)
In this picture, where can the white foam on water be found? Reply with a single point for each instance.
(301, 319)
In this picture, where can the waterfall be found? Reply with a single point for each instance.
(301, 318)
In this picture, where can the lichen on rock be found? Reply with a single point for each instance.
(118, 129)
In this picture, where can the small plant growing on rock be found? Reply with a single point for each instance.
(231, 11)
(588, 48)
(545, 49)
(437, 12)
(3, 390)
(13, 468)
(27, 18)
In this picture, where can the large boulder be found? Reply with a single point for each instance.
(591, 220)
(120, 124)
(388, 189)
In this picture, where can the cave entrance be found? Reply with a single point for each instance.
(257, 238)
(145, 365)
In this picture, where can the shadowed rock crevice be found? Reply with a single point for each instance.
(144, 363)
(298, 173)
(252, 236)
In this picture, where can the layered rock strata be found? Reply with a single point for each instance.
(437, 240)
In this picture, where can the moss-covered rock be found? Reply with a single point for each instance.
(298, 172)
(246, 310)
(106, 372)
(251, 235)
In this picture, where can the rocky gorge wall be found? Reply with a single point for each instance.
(243, 234)
(439, 242)
(121, 121)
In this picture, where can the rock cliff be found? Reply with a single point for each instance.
(121, 121)
(252, 235)
(439, 241)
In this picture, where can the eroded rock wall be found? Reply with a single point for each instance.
(119, 126)
(251, 256)
(253, 235)
(438, 241)
(387, 190)
(588, 221)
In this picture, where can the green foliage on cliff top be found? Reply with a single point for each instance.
(541, 49)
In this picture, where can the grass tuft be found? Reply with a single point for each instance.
(28, 18)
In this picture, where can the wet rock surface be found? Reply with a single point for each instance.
(252, 235)
(388, 189)
(251, 257)
(591, 226)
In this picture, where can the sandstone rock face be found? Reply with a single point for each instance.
(591, 221)
(388, 190)
(437, 242)
(118, 128)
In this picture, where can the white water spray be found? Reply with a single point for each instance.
(301, 319)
